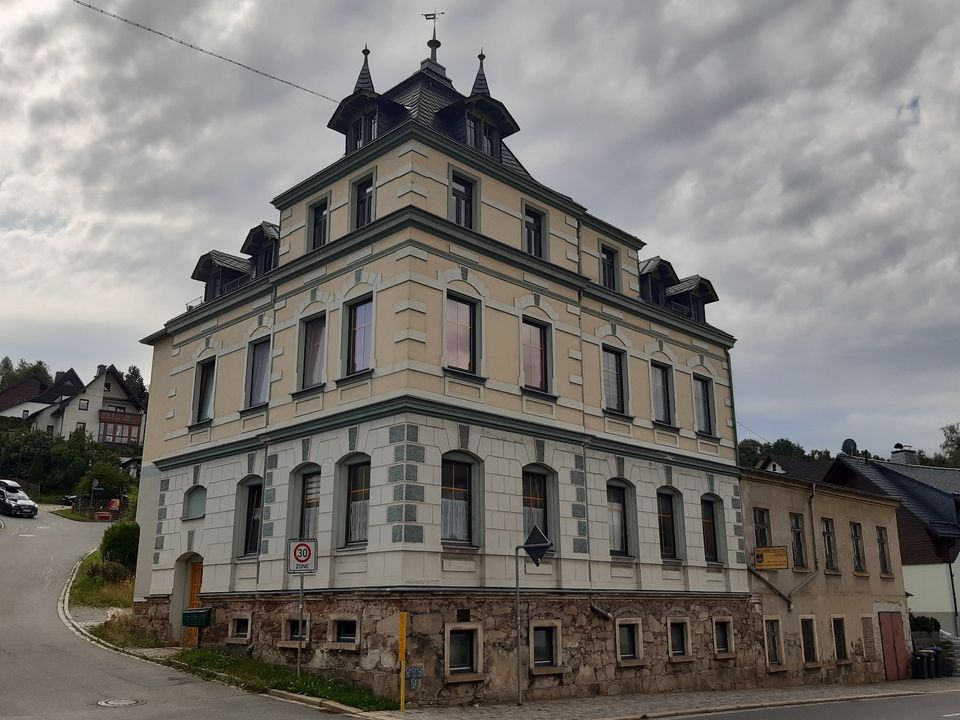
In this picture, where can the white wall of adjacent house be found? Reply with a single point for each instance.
(18, 410)
(930, 593)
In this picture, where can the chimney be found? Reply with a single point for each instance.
(903, 455)
(101, 369)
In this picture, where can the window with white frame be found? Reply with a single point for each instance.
(258, 372)
(533, 232)
(462, 200)
(363, 199)
(358, 502)
(194, 502)
(84, 404)
(456, 501)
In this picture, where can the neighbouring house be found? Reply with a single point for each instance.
(429, 355)
(31, 395)
(104, 408)
(834, 608)
(929, 525)
(803, 468)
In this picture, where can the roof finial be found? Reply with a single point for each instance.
(433, 43)
(364, 81)
(480, 84)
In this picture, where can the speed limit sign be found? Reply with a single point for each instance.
(302, 556)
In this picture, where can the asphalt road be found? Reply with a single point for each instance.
(48, 672)
(912, 707)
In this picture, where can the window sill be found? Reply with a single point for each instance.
(633, 662)
(292, 644)
(252, 557)
(715, 565)
(725, 656)
(802, 570)
(465, 375)
(617, 415)
(464, 677)
(660, 425)
(888, 576)
(546, 670)
(677, 659)
(454, 548)
(672, 562)
(812, 666)
(626, 560)
(844, 662)
(832, 572)
(708, 436)
(193, 517)
(354, 378)
(861, 573)
(352, 548)
(307, 391)
(200, 425)
(254, 409)
(342, 646)
(538, 394)
(236, 641)
(774, 669)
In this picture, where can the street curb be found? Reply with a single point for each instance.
(63, 610)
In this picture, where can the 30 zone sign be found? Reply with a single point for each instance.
(302, 556)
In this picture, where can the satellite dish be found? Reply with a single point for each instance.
(849, 447)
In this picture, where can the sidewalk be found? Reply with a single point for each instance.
(638, 706)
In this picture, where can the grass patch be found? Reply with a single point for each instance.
(95, 592)
(70, 514)
(126, 631)
(258, 675)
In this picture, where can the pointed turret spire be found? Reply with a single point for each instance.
(433, 43)
(480, 84)
(364, 81)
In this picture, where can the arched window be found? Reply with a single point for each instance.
(540, 502)
(461, 489)
(304, 501)
(353, 504)
(195, 502)
(249, 516)
(670, 517)
(711, 513)
(622, 514)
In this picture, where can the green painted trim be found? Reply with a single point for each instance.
(422, 406)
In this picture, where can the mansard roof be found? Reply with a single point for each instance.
(258, 235)
(694, 282)
(216, 258)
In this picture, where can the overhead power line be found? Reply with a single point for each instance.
(753, 432)
(201, 50)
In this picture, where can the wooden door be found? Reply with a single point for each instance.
(896, 664)
(193, 601)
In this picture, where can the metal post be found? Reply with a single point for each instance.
(300, 628)
(516, 564)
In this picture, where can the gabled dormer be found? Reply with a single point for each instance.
(221, 273)
(660, 285)
(656, 275)
(263, 245)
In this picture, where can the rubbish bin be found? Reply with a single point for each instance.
(918, 668)
(939, 662)
(928, 663)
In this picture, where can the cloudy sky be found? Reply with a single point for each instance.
(803, 156)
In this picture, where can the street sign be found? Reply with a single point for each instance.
(301, 556)
(536, 545)
(771, 558)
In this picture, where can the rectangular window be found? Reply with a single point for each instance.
(772, 638)
(460, 316)
(829, 544)
(808, 636)
(534, 337)
(473, 132)
(668, 535)
(722, 637)
(356, 135)
(81, 426)
(258, 373)
(662, 402)
(296, 629)
(535, 502)
(251, 534)
(613, 385)
(628, 640)
(314, 334)
(678, 638)
(533, 232)
(318, 232)
(240, 627)
(346, 631)
(462, 201)
(708, 511)
(544, 647)
(455, 507)
(310, 505)
(761, 527)
(608, 267)
(359, 336)
(884, 547)
(205, 376)
(703, 402)
(856, 539)
(840, 638)
(617, 505)
(462, 643)
(358, 502)
(798, 540)
(370, 127)
(363, 202)
(49, 427)
(84, 404)
(489, 140)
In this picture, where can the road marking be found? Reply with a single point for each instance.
(951, 715)
(43, 527)
(22, 535)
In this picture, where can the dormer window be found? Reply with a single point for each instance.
(267, 258)
(656, 291)
(482, 136)
(363, 130)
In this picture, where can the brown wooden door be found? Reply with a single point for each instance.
(896, 664)
(193, 600)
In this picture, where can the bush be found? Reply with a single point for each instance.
(923, 623)
(120, 542)
(108, 571)
(108, 476)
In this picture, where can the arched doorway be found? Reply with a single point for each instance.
(187, 582)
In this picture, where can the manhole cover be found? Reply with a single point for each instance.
(119, 702)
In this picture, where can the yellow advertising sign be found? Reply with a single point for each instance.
(771, 558)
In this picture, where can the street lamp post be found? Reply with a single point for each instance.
(536, 546)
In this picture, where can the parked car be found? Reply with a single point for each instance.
(14, 501)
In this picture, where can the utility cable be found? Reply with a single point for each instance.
(201, 50)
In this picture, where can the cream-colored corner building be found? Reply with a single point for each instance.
(836, 611)
(429, 354)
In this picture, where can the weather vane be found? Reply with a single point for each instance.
(433, 44)
(433, 16)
